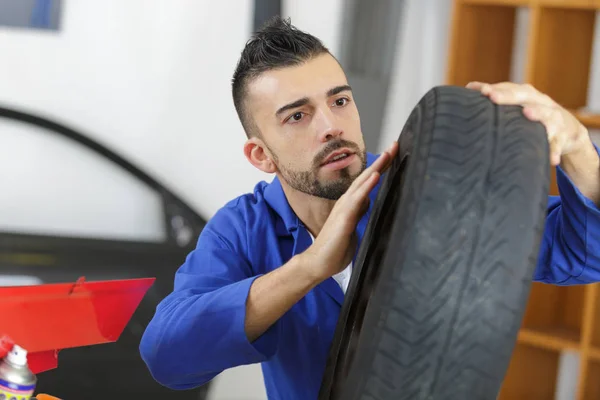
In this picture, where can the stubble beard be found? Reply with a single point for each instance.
(308, 181)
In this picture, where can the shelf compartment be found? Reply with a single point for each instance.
(578, 4)
(482, 43)
(530, 364)
(555, 312)
(561, 59)
(593, 318)
(594, 353)
(517, 3)
(591, 384)
(550, 339)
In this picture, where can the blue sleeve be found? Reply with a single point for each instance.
(570, 248)
(198, 330)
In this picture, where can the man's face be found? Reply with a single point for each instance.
(309, 122)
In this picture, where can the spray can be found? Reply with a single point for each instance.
(17, 382)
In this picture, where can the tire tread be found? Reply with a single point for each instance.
(452, 290)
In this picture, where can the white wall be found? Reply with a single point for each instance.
(420, 61)
(149, 79)
(320, 18)
(152, 81)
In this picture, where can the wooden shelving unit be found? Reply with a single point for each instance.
(560, 36)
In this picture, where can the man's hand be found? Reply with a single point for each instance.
(335, 244)
(566, 134)
(273, 294)
(571, 146)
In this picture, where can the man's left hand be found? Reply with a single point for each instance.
(566, 134)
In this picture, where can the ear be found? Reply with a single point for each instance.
(257, 153)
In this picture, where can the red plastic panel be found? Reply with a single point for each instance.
(48, 318)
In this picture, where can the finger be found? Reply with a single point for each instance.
(480, 86)
(381, 164)
(550, 117)
(513, 94)
(363, 190)
(475, 85)
(556, 144)
(357, 202)
(386, 157)
(556, 139)
(487, 88)
(538, 112)
(384, 160)
(394, 148)
(366, 174)
(386, 166)
(393, 152)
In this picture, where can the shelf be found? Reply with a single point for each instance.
(549, 44)
(591, 388)
(559, 4)
(594, 320)
(594, 353)
(561, 55)
(551, 339)
(555, 312)
(531, 374)
(510, 3)
(568, 4)
(482, 44)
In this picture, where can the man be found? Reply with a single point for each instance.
(265, 281)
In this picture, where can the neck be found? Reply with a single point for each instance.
(311, 210)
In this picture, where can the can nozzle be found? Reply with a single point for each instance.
(6, 345)
(17, 356)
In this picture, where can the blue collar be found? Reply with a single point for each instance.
(288, 224)
(275, 197)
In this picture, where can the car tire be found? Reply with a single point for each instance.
(443, 273)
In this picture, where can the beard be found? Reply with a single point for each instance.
(308, 181)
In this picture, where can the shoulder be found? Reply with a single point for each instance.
(237, 220)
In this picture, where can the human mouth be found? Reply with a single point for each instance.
(339, 159)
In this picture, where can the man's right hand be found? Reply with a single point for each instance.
(335, 245)
(273, 294)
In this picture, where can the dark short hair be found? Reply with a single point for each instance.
(276, 44)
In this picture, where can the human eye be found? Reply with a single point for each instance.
(342, 101)
(295, 117)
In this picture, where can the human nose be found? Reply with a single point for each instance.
(327, 126)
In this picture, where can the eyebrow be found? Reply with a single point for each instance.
(303, 101)
(338, 89)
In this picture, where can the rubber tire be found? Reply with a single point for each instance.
(443, 273)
